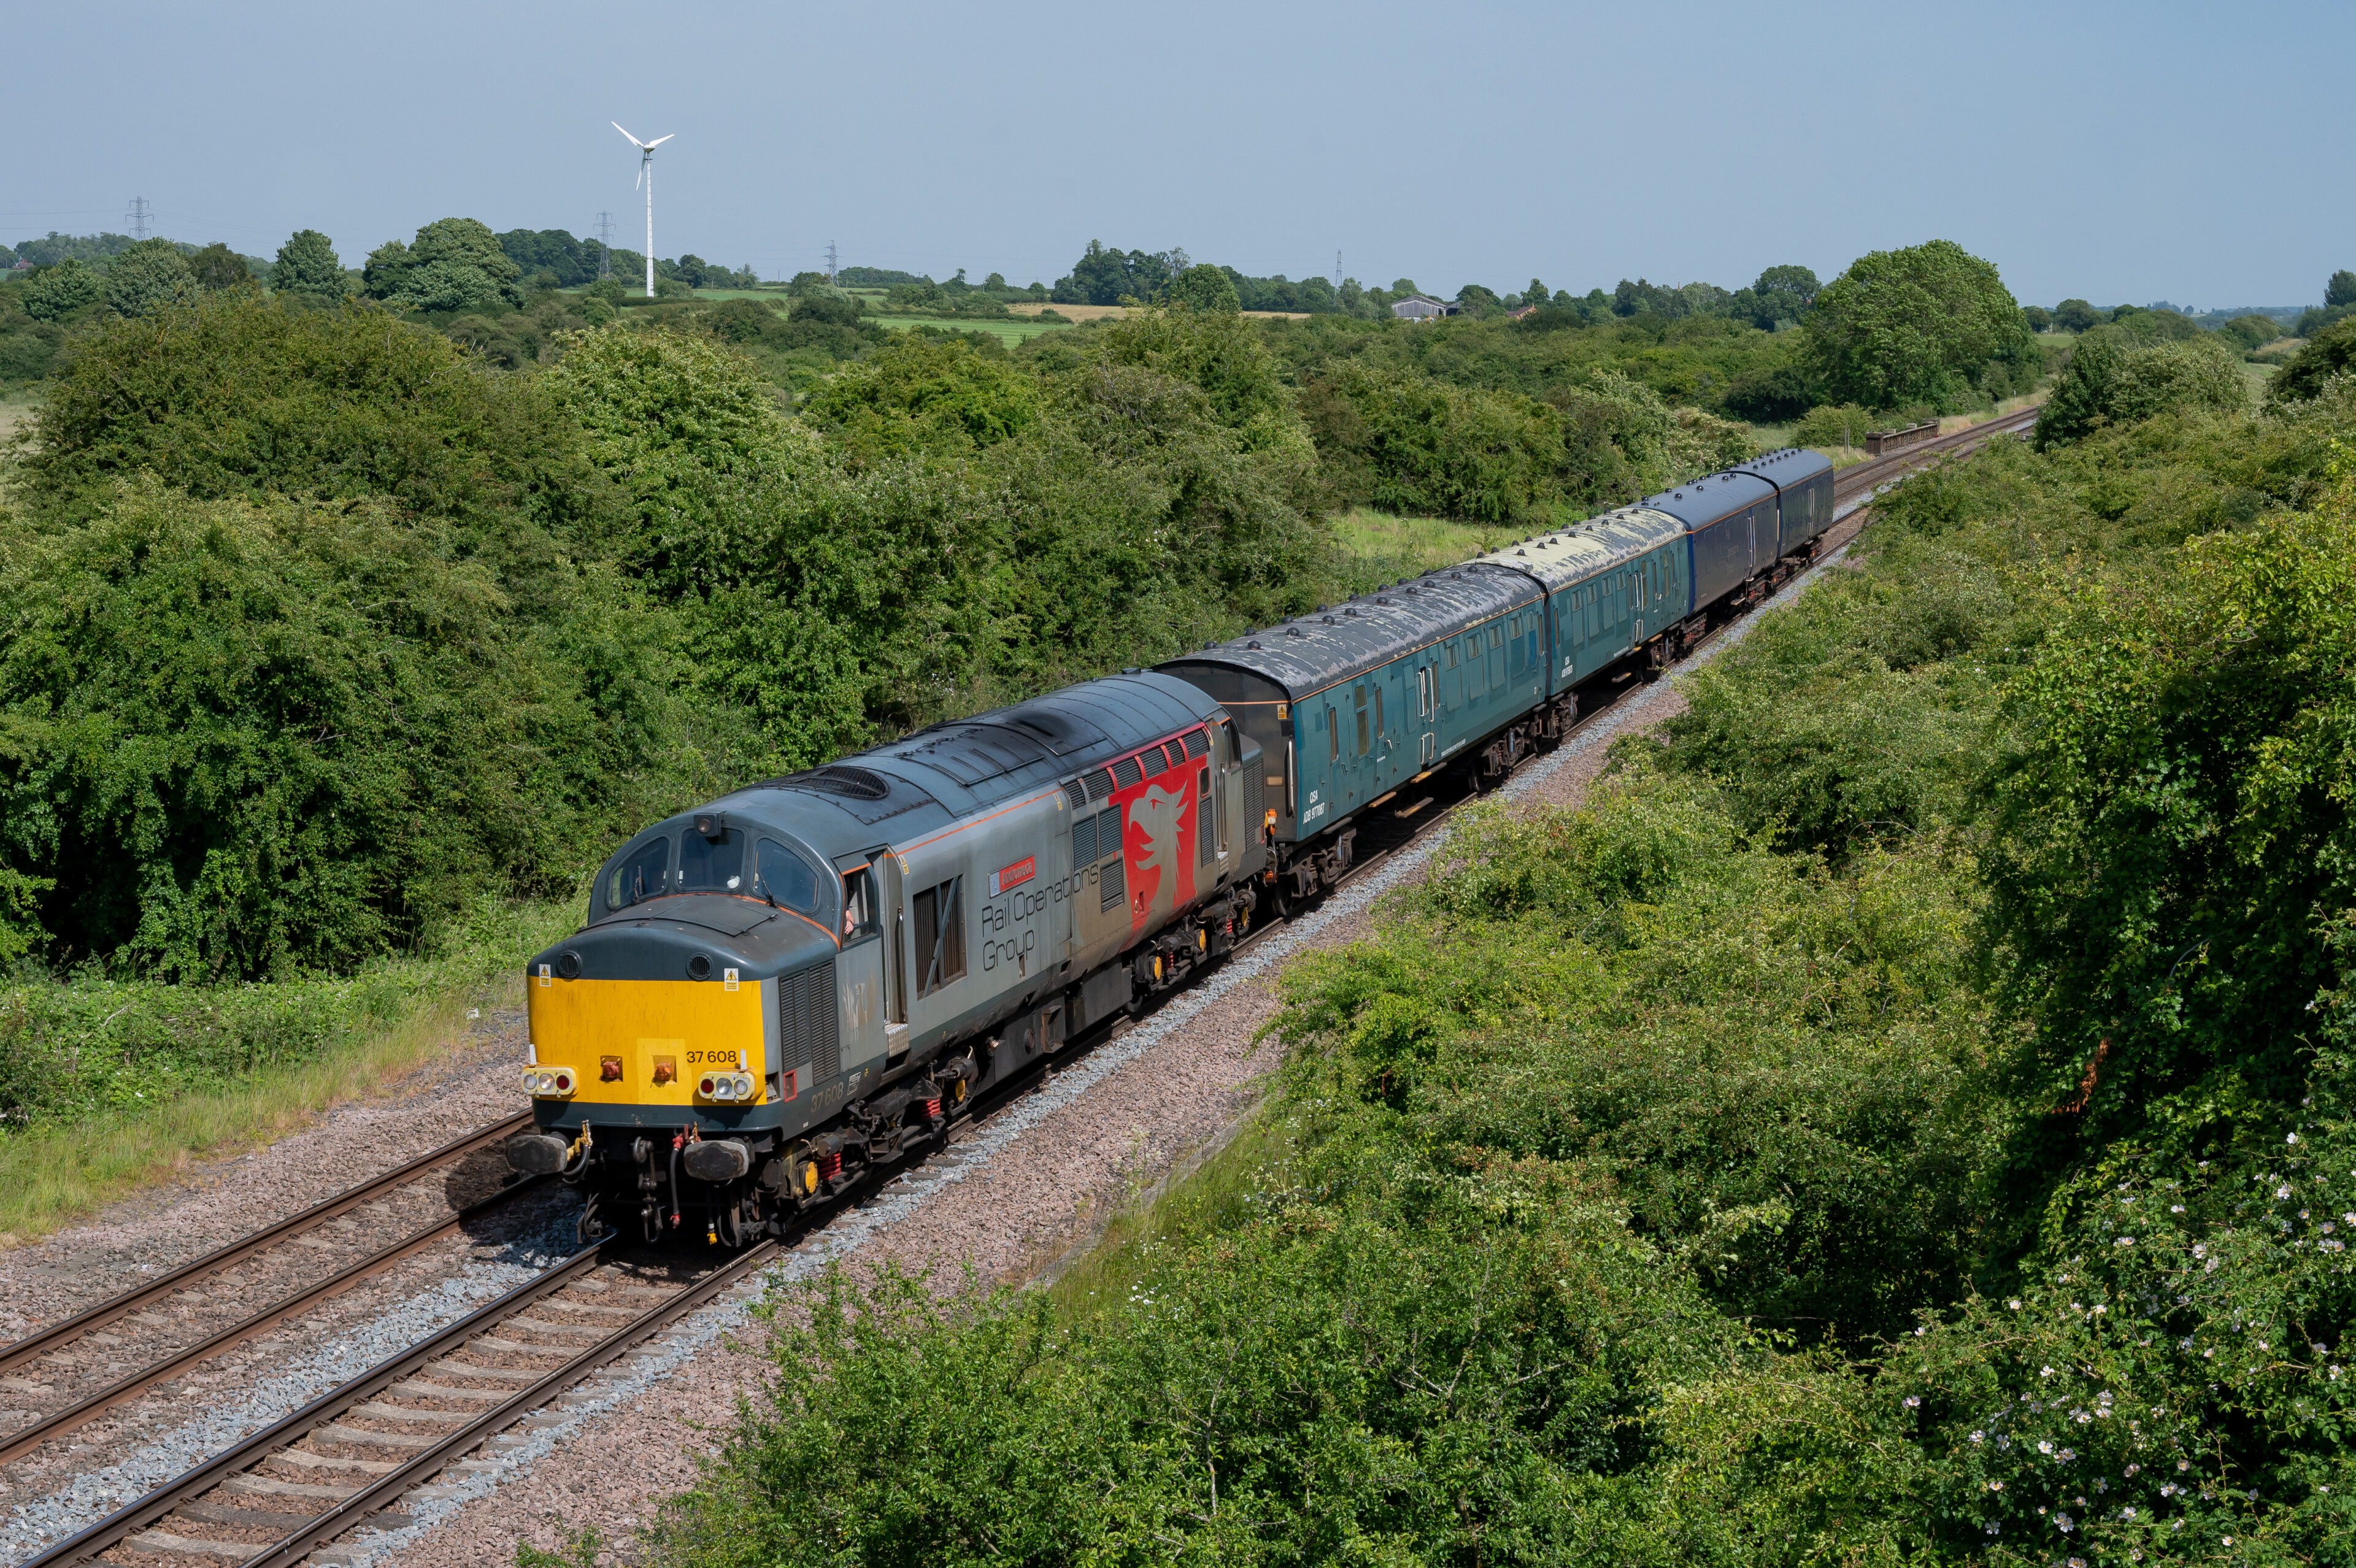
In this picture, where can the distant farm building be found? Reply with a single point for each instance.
(1417, 307)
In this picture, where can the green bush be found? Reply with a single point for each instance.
(2111, 380)
(239, 396)
(248, 741)
(2329, 354)
(1836, 425)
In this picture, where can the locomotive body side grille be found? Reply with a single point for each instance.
(809, 1028)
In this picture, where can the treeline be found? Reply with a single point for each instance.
(1905, 1118)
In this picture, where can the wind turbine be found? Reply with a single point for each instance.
(646, 178)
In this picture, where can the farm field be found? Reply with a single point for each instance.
(1011, 333)
(1114, 311)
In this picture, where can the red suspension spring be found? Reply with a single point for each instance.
(830, 1164)
(933, 1108)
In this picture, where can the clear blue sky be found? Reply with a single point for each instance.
(2115, 151)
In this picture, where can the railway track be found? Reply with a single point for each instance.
(350, 1456)
(1863, 479)
(182, 1324)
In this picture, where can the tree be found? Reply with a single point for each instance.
(1107, 277)
(54, 292)
(2038, 317)
(1476, 301)
(692, 270)
(453, 264)
(575, 262)
(2077, 315)
(1205, 288)
(1917, 325)
(219, 267)
(151, 274)
(310, 269)
(1785, 294)
(2341, 290)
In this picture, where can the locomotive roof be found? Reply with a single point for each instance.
(1571, 555)
(1697, 503)
(1790, 467)
(920, 782)
(1311, 652)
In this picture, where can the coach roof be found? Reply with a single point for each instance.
(1701, 502)
(1311, 652)
(1574, 554)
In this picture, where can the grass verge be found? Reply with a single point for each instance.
(366, 1032)
(1424, 542)
(1228, 1182)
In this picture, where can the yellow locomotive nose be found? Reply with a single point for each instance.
(655, 1042)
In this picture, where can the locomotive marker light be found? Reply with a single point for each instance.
(548, 1082)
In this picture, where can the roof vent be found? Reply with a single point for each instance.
(1252, 644)
(1329, 619)
(1382, 601)
(851, 784)
(1294, 631)
(1349, 610)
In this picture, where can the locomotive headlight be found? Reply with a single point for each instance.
(549, 1083)
(727, 1087)
(740, 1086)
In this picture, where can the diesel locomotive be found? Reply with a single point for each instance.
(812, 976)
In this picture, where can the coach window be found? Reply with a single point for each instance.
(1378, 712)
(1361, 704)
(1332, 737)
(1426, 683)
(785, 877)
(940, 935)
(640, 875)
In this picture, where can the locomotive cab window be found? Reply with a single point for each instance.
(712, 865)
(640, 875)
(858, 903)
(784, 877)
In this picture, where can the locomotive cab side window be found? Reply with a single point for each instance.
(859, 903)
(640, 875)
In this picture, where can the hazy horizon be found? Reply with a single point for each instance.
(2101, 154)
